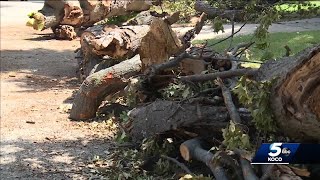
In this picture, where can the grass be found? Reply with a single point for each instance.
(298, 10)
(297, 41)
(293, 7)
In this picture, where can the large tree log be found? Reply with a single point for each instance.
(85, 12)
(161, 116)
(155, 43)
(295, 97)
(100, 84)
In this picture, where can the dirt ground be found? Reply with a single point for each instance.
(38, 77)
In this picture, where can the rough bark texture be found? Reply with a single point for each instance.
(191, 149)
(87, 59)
(65, 32)
(161, 116)
(155, 43)
(100, 84)
(87, 12)
(295, 95)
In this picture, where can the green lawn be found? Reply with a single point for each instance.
(291, 8)
(297, 41)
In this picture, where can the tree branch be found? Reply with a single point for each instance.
(234, 115)
(223, 74)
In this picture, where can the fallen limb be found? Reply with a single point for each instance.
(234, 115)
(187, 37)
(155, 69)
(100, 84)
(161, 116)
(223, 74)
(247, 170)
(192, 149)
(84, 12)
(155, 43)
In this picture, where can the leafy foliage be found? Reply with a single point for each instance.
(261, 34)
(256, 96)
(218, 24)
(177, 91)
(234, 137)
(36, 20)
(152, 146)
(118, 20)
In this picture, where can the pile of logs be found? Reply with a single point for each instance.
(82, 13)
(152, 55)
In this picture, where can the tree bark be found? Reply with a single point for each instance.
(295, 96)
(155, 43)
(86, 12)
(161, 116)
(100, 84)
(191, 149)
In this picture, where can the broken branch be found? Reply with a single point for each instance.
(223, 74)
(191, 149)
(234, 115)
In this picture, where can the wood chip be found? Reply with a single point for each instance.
(30, 122)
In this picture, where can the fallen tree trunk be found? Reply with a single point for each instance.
(100, 84)
(85, 12)
(155, 43)
(161, 116)
(295, 96)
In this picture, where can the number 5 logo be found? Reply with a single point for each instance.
(275, 149)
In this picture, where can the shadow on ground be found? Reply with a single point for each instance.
(40, 69)
(52, 159)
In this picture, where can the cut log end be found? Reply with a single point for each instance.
(188, 148)
(184, 151)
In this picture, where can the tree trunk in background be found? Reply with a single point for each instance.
(86, 12)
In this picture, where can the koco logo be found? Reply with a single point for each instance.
(275, 150)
